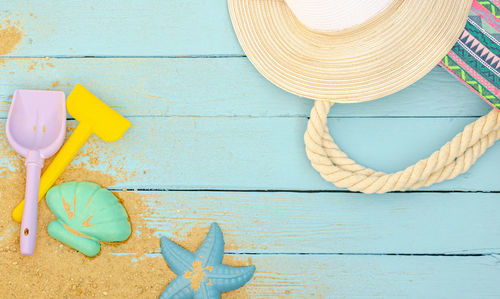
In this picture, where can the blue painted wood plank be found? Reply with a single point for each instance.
(388, 277)
(220, 125)
(411, 223)
(97, 27)
(319, 223)
(266, 153)
(219, 87)
(313, 276)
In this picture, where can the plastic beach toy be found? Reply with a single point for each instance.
(94, 117)
(86, 214)
(202, 274)
(35, 128)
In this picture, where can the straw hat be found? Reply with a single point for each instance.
(346, 51)
(354, 51)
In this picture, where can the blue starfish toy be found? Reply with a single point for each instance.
(201, 275)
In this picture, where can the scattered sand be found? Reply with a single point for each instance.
(57, 271)
(36, 64)
(132, 269)
(10, 36)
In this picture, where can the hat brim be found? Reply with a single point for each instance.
(379, 57)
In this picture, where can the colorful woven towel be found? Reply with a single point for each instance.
(475, 58)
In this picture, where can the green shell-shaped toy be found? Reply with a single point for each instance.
(87, 214)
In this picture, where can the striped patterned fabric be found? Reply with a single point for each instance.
(475, 58)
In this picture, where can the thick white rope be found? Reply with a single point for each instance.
(454, 158)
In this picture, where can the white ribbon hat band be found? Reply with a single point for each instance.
(335, 15)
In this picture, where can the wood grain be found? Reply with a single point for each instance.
(128, 28)
(205, 119)
(246, 153)
(320, 223)
(219, 87)
(326, 276)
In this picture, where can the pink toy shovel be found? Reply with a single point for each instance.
(35, 128)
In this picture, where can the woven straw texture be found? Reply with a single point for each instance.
(383, 55)
(379, 57)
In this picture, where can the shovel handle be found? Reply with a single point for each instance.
(57, 166)
(34, 165)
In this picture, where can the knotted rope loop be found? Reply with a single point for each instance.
(454, 158)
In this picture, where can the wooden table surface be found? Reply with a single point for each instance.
(216, 141)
